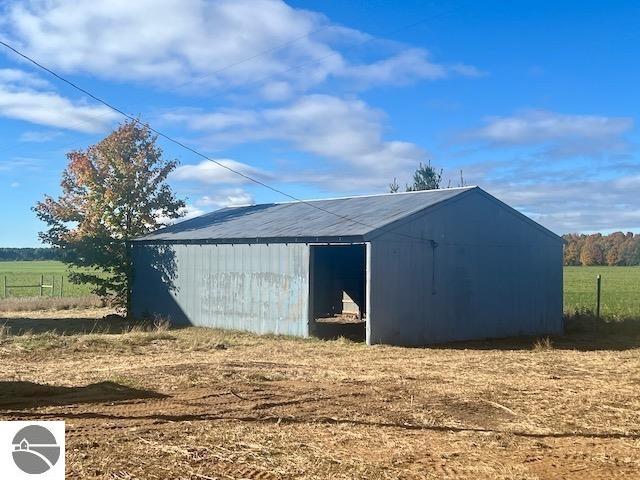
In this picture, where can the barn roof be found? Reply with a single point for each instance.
(338, 219)
(308, 220)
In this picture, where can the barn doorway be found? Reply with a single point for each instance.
(337, 303)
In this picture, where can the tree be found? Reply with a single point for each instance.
(572, 250)
(111, 192)
(592, 251)
(425, 178)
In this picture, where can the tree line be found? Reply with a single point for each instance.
(8, 254)
(617, 248)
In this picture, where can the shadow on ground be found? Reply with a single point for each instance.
(66, 326)
(585, 334)
(575, 341)
(16, 395)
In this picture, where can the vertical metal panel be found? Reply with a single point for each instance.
(259, 288)
(368, 294)
(496, 275)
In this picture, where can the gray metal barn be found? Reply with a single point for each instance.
(406, 269)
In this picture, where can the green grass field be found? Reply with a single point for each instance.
(620, 290)
(30, 273)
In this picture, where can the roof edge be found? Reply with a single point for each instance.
(253, 241)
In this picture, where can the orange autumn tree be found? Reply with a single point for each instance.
(112, 192)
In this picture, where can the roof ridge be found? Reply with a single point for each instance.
(370, 195)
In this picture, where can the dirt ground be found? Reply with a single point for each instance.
(205, 404)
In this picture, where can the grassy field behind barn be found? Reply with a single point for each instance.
(31, 272)
(620, 290)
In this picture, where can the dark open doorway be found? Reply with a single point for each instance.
(338, 291)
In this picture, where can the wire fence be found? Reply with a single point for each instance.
(19, 285)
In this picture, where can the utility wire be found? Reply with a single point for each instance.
(277, 48)
(198, 153)
(336, 53)
(177, 142)
(284, 45)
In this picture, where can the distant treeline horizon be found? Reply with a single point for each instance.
(615, 249)
(8, 254)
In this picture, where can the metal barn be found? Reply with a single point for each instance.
(405, 269)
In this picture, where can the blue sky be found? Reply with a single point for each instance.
(537, 102)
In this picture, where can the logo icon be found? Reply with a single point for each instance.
(35, 449)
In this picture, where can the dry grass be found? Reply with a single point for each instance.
(23, 304)
(195, 403)
(543, 345)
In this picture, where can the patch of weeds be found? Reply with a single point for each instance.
(584, 320)
(542, 345)
(124, 381)
(50, 303)
(93, 342)
(207, 345)
(41, 342)
(265, 377)
(144, 339)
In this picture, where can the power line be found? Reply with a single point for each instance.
(198, 153)
(241, 61)
(336, 53)
(177, 142)
(277, 48)
(313, 62)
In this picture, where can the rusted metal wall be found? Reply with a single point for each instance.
(492, 274)
(261, 288)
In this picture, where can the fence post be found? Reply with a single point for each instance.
(53, 285)
(61, 284)
(41, 282)
(5, 286)
(598, 285)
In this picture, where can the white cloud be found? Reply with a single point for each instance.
(18, 100)
(221, 43)
(565, 134)
(14, 184)
(233, 197)
(408, 66)
(566, 196)
(188, 211)
(208, 172)
(404, 67)
(19, 77)
(467, 70)
(20, 164)
(576, 206)
(39, 136)
(348, 133)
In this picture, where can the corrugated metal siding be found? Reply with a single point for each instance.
(258, 288)
(496, 275)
